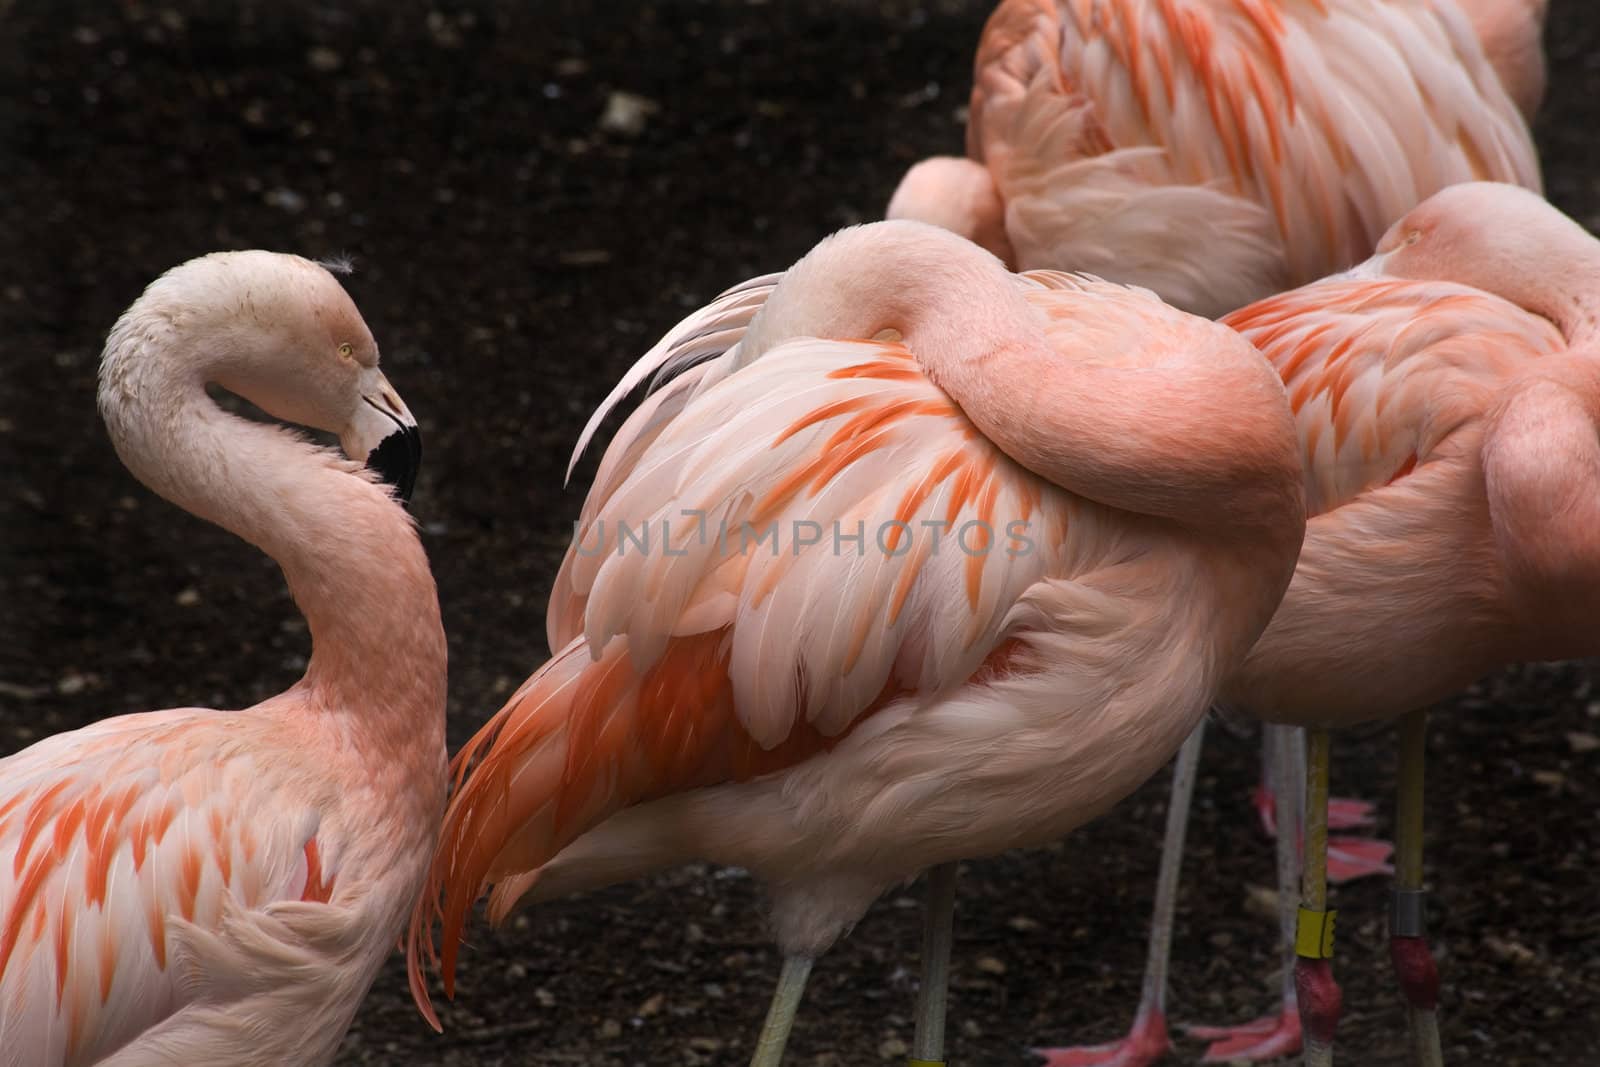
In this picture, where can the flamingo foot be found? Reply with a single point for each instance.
(1267, 1038)
(1266, 806)
(1350, 858)
(1145, 1044)
(1344, 813)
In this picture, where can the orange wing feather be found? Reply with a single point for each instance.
(85, 811)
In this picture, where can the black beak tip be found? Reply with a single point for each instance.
(396, 460)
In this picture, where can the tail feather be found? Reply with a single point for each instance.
(580, 740)
(508, 786)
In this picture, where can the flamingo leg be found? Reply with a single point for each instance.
(1315, 987)
(1349, 858)
(1344, 813)
(1272, 1036)
(1408, 943)
(927, 1047)
(1147, 1041)
(780, 1015)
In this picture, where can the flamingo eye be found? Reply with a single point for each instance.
(1413, 237)
(346, 350)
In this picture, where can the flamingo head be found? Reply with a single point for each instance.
(281, 332)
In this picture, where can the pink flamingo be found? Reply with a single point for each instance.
(1448, 401)
(754, 684)
(1220, 151)
(201, 887)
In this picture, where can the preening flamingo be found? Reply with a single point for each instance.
(1448, 400)
(796, 674)
(205, 887)
(1220, 151)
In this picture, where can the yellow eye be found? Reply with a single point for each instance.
(1413, 237)
(346, 350)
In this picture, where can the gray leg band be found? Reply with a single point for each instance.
(1406, 913)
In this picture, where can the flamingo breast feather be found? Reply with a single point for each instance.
(117, 844)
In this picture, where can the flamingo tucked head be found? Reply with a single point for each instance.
(957, 195)
(1504, 240)
(280, 332)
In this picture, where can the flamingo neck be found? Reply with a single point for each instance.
(351, 556)
(1103, 416)
(1570, 295)
(1552, 271)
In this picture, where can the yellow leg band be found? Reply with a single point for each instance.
(1313, 934)
(925, 1063)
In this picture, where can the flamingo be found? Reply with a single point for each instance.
(1484, 554)
(1220, 151)
(195, 886)
(1448, 401)
(837, 713)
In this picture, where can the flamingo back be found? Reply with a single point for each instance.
(1381, 372)
(1282, 138)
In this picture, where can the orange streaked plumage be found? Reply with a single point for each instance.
(1218, 151)
(1447, 401)
(908, 565)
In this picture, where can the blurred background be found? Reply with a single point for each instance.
(532, 194)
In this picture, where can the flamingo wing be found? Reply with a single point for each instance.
(832, 511)
(116, 841)
(1381, 371)
(1307, 126)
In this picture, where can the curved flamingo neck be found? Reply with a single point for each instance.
(351, 556)
(1536, 258)
(1562, 281)
(1136, 426)
(1132, 404)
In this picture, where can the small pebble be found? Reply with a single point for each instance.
(627, 114)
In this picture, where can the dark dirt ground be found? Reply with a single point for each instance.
(514, 256)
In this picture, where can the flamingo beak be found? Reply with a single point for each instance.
(383, 434)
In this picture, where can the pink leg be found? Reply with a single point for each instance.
(1321, 1002)
(1344, 813)
(1272, 1036)
(1147, 1041)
